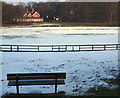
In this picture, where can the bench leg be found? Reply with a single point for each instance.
(17, 87)
(56, 85)
(17, 84)
(55, 88)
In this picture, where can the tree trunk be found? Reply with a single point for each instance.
(110, 19)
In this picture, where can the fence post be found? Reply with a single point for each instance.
(104, 47)
(17, 48)
(66, 48)
(92, 47)
(52, 48)
(38, 48)
(0, 47)
(58, 48)
(79, 48)
(72, 48)
(116, 47)
(11, 47)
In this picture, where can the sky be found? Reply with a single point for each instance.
(15, 2)
(61, 0)
(30, 0)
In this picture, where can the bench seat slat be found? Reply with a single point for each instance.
(36, 77)
(36, 82)
(29, 76)
(34, 74)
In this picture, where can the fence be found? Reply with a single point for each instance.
(58, 48)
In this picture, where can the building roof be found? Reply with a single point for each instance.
(36, 14)
(31, 14)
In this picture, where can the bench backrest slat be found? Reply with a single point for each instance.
(30, 76)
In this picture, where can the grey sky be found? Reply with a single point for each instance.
(30, 0)
(61, 0)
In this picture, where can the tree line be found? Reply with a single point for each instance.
(10, 11)
(84, 12)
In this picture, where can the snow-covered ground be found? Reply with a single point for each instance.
(84, 69)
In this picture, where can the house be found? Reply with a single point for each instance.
(32, 14)
(30, 17)
(36, 14)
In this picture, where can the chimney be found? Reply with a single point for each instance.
(26, 10)
(33, 10)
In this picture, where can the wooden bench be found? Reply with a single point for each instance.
(24, 79)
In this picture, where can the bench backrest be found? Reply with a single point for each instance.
(32, 76)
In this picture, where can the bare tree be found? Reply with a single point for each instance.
(112, 8)
(10, 12)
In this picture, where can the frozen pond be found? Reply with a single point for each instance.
(84, 69)
(59, 35)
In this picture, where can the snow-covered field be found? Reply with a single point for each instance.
(84, 69)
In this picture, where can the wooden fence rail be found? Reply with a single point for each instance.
(58, 48)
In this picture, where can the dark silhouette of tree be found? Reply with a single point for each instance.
(85, 12)
(112, 9)
(9, 12)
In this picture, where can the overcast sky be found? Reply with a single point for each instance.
(30, 0)
(61, 0)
